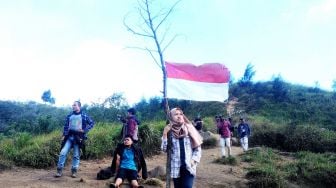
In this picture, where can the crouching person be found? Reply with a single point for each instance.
(130, 161)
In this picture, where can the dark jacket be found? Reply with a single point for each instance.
(244, 130)
(87, 123)
(138, 156)
(130, 127)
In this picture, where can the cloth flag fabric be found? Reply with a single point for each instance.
(206, 82)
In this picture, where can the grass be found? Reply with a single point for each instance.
(233, 161)
(270, 169)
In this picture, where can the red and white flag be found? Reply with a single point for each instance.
(206, 82)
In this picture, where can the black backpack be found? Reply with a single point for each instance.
(104, 174)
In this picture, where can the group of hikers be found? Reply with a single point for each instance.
(225, 129)
(128, 160)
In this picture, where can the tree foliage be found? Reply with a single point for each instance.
(46, 97)
(247, 78)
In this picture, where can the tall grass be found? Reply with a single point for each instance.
(42, 151)
(314, 169)
(270, 169)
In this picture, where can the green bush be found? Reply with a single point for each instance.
(209, 143)
(315, 169)
(264, 172)
(102, 139)
(227, 160)
(25, 150)
(150, 139)
(309, 138)
(265, 176)
(5, 164)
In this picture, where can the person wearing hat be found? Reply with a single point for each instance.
(130, 161)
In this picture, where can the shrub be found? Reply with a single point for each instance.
(265, 172)
(150, 139)
(209, 143)
(5, 164)
(309, 138)
(265, 176)
(101, 140)
(315, 169)
(227, 160)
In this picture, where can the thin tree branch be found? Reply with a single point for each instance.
(164, 48)
(135, 32)
(168, 13)
(156, 62)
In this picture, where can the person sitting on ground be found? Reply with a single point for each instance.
(130, 161)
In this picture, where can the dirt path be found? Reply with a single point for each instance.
(209, 174)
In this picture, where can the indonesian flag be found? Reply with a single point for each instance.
(206, 82)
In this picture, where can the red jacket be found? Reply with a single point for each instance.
(224, 129)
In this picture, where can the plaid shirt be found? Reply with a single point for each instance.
(190, 153)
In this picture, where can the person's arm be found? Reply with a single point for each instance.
(118, 162)
(248, 129)
(196, 155)
(164, 139)
(89, 123)
(66, 127)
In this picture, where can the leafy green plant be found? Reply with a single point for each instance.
(102, 139)
(209, 143)
(150, 139)
(227, 160)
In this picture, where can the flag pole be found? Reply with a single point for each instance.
(169, 140)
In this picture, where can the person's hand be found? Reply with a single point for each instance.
(80, 130)
(165, 131)
(62, 138)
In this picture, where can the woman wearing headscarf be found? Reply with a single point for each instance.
(186, 148)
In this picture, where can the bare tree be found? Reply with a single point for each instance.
(151, 28)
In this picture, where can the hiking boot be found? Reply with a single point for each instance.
(140, 186)
(112, 185)
(58, 173)
(74, 173)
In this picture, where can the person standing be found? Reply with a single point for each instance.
(186, 148)
(225, 139)
(198, 123)
(244, 132)
(76, 126)
(130, 125)
(129, 162)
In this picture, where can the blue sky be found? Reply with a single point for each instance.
(77, 48)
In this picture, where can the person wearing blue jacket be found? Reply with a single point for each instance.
(244, 132)
(76, 126)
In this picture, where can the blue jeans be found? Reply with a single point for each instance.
(185, 180)
(64, 152)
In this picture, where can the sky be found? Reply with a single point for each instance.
(80, 49)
